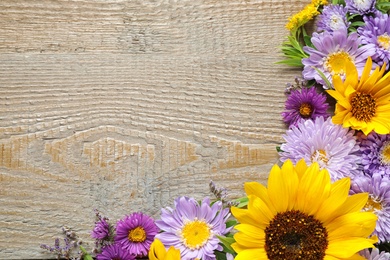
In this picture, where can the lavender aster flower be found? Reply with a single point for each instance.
(375, 151)
(360, 6)
(333, 18)
(135, 233)
(331, 52)
(378, 188)
(116, 252)
(376, 31)
(333, 147)
(375, 254)
(305, 104)
(193, 228)
(101, 230)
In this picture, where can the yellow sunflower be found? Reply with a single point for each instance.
(363, 104)
(302, 215)
(157, 252)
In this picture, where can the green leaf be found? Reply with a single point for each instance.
(322, 75)
(231, 223)
(86, 255)
(226, 243)
(242, 202)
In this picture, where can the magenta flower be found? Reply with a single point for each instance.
(116, 252)
(193, 228)
(330, 54)
(378, 188)
(135, 233)
(332, 146)
(101, 230)
(376, 31)
(333, 18)
(305, 104)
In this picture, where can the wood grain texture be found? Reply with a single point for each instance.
(125, 105)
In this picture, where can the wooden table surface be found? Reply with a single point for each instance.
(125, 105)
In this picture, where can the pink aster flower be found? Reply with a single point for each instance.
(193, 227)
(332, 146)
(305, 103)
(330, 55)
(135, 233)
(116, 252)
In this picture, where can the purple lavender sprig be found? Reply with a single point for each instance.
(71, 243)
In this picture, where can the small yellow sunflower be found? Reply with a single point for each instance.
(363, 104)
(157, 252)
(302, 215)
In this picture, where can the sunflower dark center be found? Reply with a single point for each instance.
(305, 110)
(295, 235)
(363, 106)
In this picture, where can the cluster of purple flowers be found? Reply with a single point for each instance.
(351, 31)
(192, 227)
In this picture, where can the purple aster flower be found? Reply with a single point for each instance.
(375, 150)
(135, 233)
(101, 230)
(333, 18)
(193, 228)
(332, 146)
(378, 188)
(374, 254)
(376, 31)
(114, 252)
(330, 53)
(360, 6)
(305, 104)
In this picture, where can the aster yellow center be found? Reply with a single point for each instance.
(335, 62)
(363, 106)
(137, 234)
(384, 153)
(305, 110)
(295, 235)
(384, 41)
(373, 204)
(320, 157)
(195, 234)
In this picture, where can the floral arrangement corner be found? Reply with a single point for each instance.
(330, 196)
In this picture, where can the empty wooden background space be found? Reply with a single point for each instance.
(123, 105)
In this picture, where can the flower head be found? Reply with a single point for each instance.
(360, 6)
(101, 230)
(333, 18)
(193, 228)
(158, 252)
(375, 153)
(305, 104)
(378, 188)
(135, 233)
(320, 141)
(116, 252)
(302, 215)
(376, 31)
(363, 104)
(374, 254)
(330, 54)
